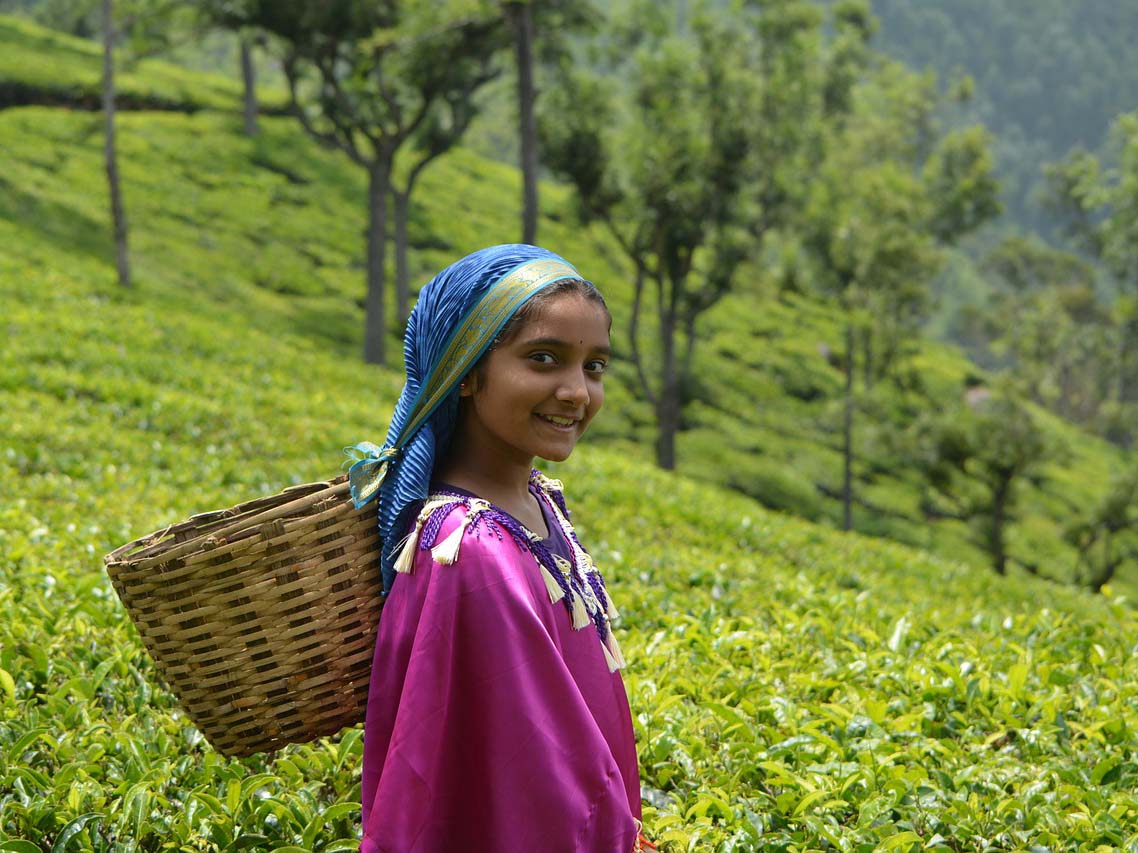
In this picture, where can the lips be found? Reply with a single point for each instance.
(559, 420)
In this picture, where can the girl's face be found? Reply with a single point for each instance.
(538, 391)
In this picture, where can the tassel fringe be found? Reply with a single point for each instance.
(446, 552)
(609, 659)
(611, 611)
(405, 563)
(556, 593)
(580, 614)
(613, 648)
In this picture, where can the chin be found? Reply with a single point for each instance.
(556, 455)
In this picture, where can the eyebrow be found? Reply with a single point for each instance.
(558, 342)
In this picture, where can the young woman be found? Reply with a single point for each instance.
(497, 718)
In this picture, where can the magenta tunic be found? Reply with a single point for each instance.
(492, 725)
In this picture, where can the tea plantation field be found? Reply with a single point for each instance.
(793, 688)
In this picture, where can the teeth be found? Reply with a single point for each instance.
(560, 421)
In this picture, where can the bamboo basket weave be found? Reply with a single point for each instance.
(261, 618)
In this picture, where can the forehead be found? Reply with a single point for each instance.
(570, 317)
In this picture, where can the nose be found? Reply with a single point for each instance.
(573, 389)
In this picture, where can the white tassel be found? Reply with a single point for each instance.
(614, 649)
(556, 593)
(609, 659)
(446, 552)
(580, 614)
(405, 563)
(613, 614)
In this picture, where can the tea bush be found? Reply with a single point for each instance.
(793, 688)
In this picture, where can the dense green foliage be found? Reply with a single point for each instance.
(1050, 75)
(254, 219)
(793, 688)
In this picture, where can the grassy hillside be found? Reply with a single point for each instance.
(41, 65)
(789, 686)
(271, 229)
(793, 688)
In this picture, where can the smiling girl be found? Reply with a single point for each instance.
(497, 719)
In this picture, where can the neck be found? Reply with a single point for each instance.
(488, 477)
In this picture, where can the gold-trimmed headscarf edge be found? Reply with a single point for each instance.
(479, 328)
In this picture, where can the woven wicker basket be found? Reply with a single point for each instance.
(262, 617)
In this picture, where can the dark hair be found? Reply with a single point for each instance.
(566, 286)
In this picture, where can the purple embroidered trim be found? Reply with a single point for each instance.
(430, 534)
(554, 494)
(598, 584)
(511, 525)
(572, 585)
(574, 580)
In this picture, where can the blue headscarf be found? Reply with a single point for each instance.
(457, 317)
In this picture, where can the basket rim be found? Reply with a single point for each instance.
(158, 546)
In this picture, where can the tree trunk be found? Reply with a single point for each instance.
(999, 519)
(522, 19)
(847, 433)
(1105, 572)
(668, 403)
(1123, 390)
(118, 214)
(375, 331)
(402, 206)
(867, 368)
(247, 75)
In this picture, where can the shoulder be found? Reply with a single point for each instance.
(464, 553)
(450, 526)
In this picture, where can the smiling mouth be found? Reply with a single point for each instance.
(559, 421)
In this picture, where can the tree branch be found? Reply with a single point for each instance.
(328, 75)
(332, 139)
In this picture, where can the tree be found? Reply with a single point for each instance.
(365, 78)
(1025, 265)
(1100, 207)
(664, 171)
(442, 128)
(1105, 539)
(520, 16)
(888, 198)
(249, 84)
(554, 20)
(872, 252)
(975, 458)
(110, 154)
(1049, 328)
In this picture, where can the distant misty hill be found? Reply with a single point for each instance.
(1050, 75)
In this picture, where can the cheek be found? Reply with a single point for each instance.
(596, 397)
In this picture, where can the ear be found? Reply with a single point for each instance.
(468, 385)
